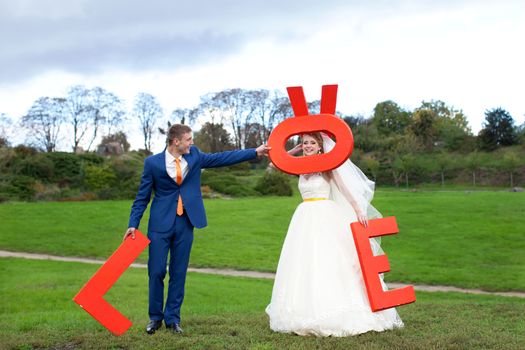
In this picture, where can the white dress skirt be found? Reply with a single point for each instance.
(319, 288)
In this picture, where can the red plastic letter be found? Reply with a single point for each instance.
(372, 265)
(90, 296)
(305, 123)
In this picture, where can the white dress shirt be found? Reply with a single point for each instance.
(172, 170)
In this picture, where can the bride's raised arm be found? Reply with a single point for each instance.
(298, 148)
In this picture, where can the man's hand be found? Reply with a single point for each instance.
(129, 232)
(262, 150)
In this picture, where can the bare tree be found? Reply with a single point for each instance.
(105, 109)
(6, 126)
(148, 110)
(270, 110)
(79, 109)
(181, 116)
(114, 114)
(90, 110)
(43, 120)
(210, 109)
(237, 107)
(185, 115)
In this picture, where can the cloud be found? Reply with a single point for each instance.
(94, 36)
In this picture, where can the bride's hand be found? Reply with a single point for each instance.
(296, 149)
(362, 218)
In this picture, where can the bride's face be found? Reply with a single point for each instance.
(310, 145)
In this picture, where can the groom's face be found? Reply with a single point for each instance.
(183, 145)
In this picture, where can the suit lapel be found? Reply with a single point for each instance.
(191, 162)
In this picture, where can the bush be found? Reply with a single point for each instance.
(66, 168)
(239, 169)
(46, 191)
(17, 187)
(226, 183)
(25, 151)
(274, 183)
(91, 158)
(7, 160)
(99, 178)
(38, 167)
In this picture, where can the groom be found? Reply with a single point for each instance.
(174, 176)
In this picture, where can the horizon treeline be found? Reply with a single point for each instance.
(396, 147)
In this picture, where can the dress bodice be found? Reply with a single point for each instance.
(314, 186)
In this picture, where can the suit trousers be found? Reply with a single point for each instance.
(177, 241)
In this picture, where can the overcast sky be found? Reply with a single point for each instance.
(469, 54)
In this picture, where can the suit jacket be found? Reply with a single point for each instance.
(164, 206)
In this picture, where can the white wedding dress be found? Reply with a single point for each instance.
(319, 289)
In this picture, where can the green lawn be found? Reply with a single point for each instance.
(37, 311)
(465, 239)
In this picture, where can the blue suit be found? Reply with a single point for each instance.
(169, 232)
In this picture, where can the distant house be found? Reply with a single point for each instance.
(110, 149)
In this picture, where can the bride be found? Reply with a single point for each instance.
(319, 289)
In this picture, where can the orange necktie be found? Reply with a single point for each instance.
(178, 179)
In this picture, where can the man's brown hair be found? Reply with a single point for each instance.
(176, 131)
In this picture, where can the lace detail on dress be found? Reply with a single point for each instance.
(314, 186)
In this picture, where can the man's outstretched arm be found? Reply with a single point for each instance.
(213, 160)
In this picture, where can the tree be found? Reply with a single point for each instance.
(278, 108)
(185, 116)
(354, 120)
(90, 110)
(498, 130)
(114, 113)
(43, 120)
(213, 138)
(254, 135)
(372, 165)
(390, 118)
(424, 127)
(510, 163)
(270, 109)
(443, 162)
(79, 109)
(148, 111)
(105, 109)
(473, 163)
(210, 109)
(520, 132)
(366, 137)
(6, 124)
(451, 125)
(237, 107)
(396, 168)
(314, 107)
(407, 164)
(181, 116)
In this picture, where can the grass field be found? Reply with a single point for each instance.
(36, 311)
(464, 239)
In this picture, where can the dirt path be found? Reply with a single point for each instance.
(252, 274)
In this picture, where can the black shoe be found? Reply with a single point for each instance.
(175, 328)
(153, 325)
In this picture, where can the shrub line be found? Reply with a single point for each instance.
(253, 274)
